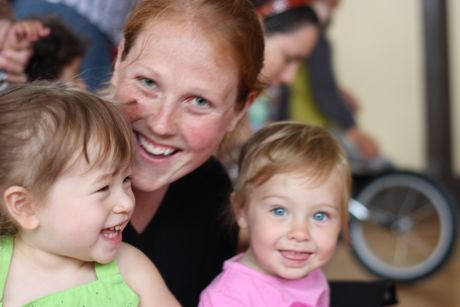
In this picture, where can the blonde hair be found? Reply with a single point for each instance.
(285, 147)
(45, 126)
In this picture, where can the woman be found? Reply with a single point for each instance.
(185, 74)
(291, 32)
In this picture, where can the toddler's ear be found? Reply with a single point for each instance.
(18, 203)
(238, 211)
(242, 221)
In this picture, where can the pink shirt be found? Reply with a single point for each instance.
(239, 285)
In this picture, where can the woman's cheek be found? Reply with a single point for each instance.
(204, 135)
(130, 106)
(132, 111)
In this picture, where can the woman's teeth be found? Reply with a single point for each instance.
(155, 150)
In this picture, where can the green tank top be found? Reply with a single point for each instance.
(302, 106)
(109, 290)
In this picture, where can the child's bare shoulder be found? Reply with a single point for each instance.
(134, 265)
(143, 277)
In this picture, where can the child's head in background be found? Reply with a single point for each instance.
(57, 56)
(291, 198)
(65, 163)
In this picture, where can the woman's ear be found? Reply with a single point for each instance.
(120, 49)
(19, 204)
(242, 113)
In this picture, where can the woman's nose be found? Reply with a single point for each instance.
(163, 118)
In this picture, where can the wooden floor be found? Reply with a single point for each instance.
(441, 289)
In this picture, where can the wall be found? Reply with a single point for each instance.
(454, 50)
(379, 58)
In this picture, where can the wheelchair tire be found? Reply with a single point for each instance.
(411, 228)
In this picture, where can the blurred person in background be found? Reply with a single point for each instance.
(16, 41)
(99, 22)
(57, 56)
(316, 97)
(290, 31)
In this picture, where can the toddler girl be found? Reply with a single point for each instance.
(65, 159)
(291, 199)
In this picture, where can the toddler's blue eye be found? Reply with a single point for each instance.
(279, 211)
(320, 216)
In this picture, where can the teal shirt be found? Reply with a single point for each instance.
(109, 290)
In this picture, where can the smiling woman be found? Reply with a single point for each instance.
(185, 73)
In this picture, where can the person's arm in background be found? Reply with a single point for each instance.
(331, 100)
(16, 41)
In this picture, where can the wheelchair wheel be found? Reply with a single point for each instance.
(409, 229)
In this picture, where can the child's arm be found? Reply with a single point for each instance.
(23, 34)
(16, 48)
(143, 277)
(12, 65)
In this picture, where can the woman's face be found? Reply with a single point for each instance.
(179, 92)
(285, 51)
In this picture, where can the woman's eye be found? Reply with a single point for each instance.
(127, 179)
(147, 82)
(200, 102)
(320, 216)
(279, 211)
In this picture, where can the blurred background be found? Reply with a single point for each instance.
(401, 59)
(382, 55)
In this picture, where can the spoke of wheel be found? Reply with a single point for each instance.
(408, 202)
(401, 250)
(385, 201)
(422, 246)
(422, 213)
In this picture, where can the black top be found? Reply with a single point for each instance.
(188, 239)
(326, 92)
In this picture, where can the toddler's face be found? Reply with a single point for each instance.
(293, 225)
(85, 212)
